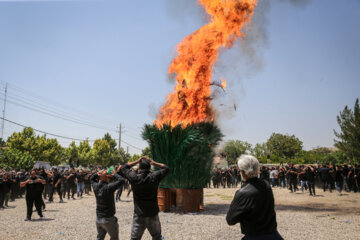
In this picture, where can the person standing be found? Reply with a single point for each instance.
(106, 222)
(339, 180)
(325, 176)
(34, 189)
(310, 174)
(5, 187)
(71, 186)
(145, 184)
(80, 178)
(253, 204)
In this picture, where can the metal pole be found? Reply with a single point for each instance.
(3, 116)
(119, 138)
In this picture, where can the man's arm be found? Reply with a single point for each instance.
(23, 184)
(238, 207)
(164, 170)
(117, 183)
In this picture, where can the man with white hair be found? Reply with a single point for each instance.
(253, 204)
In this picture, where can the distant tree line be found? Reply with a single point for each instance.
(23, 149)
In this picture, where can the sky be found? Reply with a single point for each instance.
(78, 69)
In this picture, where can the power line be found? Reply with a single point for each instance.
(64, 137)
(55, 116)
(47, 133)
(58, 105)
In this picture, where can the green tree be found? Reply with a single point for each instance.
(146, 152)
(283, 146)
(101, 153)
(111, 142)
(348, 139)
(260, 151)
(72, 152)
(84, 151)
(234, 148)
(21, 145)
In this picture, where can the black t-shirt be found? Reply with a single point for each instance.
(56, 178)
(338, 175)
(310, 175)
(324, 172)
(71, 179)
(33, 188)
(5, 185)
(80, 177)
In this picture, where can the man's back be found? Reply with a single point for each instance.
(145, 185)
(104, 193)
(253, 207)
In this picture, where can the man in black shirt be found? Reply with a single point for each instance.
(71, 186)
(310, 173)
(325, 176)
(5, 186)
(80, 175)
(145, 185)
(34, 188)
(56, 181)
(253, 204)
(104, 190)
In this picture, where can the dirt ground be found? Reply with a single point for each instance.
(299, 216)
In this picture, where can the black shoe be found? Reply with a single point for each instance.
(27, 219)
(41, 216)
(61, 201)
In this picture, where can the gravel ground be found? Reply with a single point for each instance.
(299, 216)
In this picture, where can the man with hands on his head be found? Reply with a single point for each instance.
(144, 184)
(104, 185)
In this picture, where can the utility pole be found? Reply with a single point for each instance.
(127, 149)
(120, 129)
(3, 115)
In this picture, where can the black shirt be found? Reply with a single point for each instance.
(145, 185)
(34, 188)
(104, 193)
(253, 208)
(324, 172)
(80, 177)
(56, 178)
(71, 179)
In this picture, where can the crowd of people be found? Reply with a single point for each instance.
(40, 184)
(296, 177)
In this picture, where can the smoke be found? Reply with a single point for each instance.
(244, 60)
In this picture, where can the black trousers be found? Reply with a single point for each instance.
(2, 198)
(73, 190)
(311, 187)
(30, 201)
(118, 193)
(293, 184)
(52, 190)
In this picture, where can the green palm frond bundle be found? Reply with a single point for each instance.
(188, 152)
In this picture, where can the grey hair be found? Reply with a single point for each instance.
(250, 165)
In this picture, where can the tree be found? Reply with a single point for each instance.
(100, 153)
(234, 148)
(72, 152)
(146, 152)
(84, 151)
(283, 146)
(260, 151)
(22, 145)
(111, 142)
(348, 139)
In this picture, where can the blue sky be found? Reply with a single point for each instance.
(105, 62)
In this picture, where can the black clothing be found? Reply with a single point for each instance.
(145, 185)
(33, 196)
(104, 193)
(80, 177)
(253, 208)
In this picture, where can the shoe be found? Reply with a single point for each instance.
(27, 219)
(61, 201)
(41, 216)
(49, 201)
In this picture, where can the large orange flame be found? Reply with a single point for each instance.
(197, 54)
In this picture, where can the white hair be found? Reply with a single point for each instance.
(250, 165)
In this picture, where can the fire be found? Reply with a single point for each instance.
(197, 54)
(223, 83)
